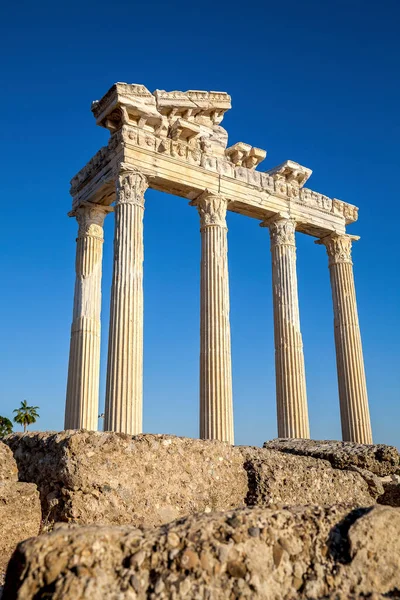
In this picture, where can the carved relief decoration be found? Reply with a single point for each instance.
(90, 219)
(282, 232)
(338, 248)
(212, 209)
(185, 127)
(131, 186)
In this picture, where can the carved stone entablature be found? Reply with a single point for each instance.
(241, 154)
(292, 173)
(93, 166)
(176, 139)
(184, 130)
(349, 211)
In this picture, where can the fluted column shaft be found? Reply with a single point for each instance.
(354, 410)
(82, 403)
(291, 395)
(216, 406)
(124, 388)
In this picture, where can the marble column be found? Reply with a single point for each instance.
(216, 407)
(291, 395)
(81, 408)
(124, 387)
(354, 411)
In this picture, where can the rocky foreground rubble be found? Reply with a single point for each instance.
(140, 517)
(296, 552)
(20, 512)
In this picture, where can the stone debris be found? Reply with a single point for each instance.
(20, 511)
(275, 477)
(99, 477)
(110, 478)
(269, 554)
(8, 466)
(378, 458)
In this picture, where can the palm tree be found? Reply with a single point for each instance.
(26, 415)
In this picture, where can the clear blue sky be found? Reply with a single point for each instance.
(315, 82)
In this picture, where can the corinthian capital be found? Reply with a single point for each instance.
(131, 186)
(90, 218)
(282, 231)
(338, 247)
(212, 209)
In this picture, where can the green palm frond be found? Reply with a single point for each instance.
(25, 414)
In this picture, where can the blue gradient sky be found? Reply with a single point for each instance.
(315, 82)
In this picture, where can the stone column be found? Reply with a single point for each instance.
(291, 395)
(354, 411)
(81, 408)
(216, 407)
(124, 387)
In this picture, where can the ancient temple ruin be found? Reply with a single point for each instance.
(174, 142)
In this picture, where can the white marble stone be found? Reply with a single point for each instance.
(124, 387)
(354, 410)
(81, 407)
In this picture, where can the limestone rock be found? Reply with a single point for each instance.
(377, 458)
(275, 477)
(110, 478)
(100, 477)
(391, 492)
(297, 552)
(8, 466)
(20, 516)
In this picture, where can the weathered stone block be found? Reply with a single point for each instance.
(298, 552)
(8, 466)
(377, 458)
(20, 516)
(391, 492)
(110, 478)
(98, 477)
(275, 477)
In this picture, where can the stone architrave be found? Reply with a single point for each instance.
(81, 408)
(354, 411)
(216, 406)
(124, 388)
(291, 395)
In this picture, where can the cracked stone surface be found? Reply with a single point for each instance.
(289, 479)
(20, 516)
(99, 477)
(8, 466)
(306, 552)
(378, 458)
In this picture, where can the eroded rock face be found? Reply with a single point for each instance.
(97, 477)
(275, 477)
(378, 458)
(295, 552)
(20, 516)
(8, 466)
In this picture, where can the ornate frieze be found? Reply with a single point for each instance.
(212, 209)
(185, 126)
